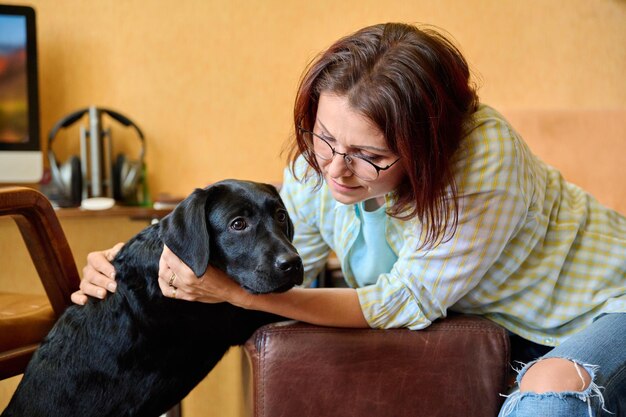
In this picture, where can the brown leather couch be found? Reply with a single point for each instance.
(456, 367)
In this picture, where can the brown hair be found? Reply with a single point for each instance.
(414, 85)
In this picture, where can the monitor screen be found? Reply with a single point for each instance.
(20, 151)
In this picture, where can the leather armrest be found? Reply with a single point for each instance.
(455, 367)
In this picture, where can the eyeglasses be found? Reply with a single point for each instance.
(359, 165)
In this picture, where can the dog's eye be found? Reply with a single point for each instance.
(281, 216)
(239, 224)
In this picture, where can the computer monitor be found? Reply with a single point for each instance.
(21, 159)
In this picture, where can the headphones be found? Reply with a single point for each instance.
(70, 177)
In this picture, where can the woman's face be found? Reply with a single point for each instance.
(350, 132)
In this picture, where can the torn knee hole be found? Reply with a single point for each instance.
(555, 375)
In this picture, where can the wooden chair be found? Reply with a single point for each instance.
(26, 319)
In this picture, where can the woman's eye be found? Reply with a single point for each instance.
(238, 224)
(370, 158)
(281, 216)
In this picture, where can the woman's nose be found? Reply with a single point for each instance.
(337, 167)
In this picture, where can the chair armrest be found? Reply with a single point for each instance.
(45, 241)
(457, 366)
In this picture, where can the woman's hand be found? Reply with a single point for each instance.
(177, 280)
(98, 275)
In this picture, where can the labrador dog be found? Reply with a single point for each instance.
(138, 353)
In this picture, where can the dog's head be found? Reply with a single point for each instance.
(240, 227)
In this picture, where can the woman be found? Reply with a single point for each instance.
(432, 202)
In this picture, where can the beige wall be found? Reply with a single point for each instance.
(212, 82)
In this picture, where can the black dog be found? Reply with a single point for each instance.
(138, 353)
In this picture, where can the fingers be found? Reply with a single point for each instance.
(177, 280)
(100, 263)
(171, 291)
(78, 297)
(173, 262)
(93, 290)
(174, 272)
(98, 275)
(180, 293)
(167, 278)
(111, 253)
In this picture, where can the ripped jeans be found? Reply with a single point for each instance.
(601, 350)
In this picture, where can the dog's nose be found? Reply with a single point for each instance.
(288, 262)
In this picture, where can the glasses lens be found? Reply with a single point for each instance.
(320, 147)
(322, 150)
(361, 168)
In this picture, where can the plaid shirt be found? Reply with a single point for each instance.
(531, 252)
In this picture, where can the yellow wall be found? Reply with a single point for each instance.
(212, 82)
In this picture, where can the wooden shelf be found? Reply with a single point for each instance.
(134, 213)
(119, 210)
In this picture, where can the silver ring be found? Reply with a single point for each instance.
(172, 279)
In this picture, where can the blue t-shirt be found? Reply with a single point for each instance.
(370, 254)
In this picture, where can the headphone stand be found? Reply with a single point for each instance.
(96, 158)
(96, 174)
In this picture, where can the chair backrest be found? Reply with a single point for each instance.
(45, 241)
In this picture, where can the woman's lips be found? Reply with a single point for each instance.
(343, 187)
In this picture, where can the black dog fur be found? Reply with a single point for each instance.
(138, 353)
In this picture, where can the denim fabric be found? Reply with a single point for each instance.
(601, 350)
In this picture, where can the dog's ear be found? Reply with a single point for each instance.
(185, 231)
